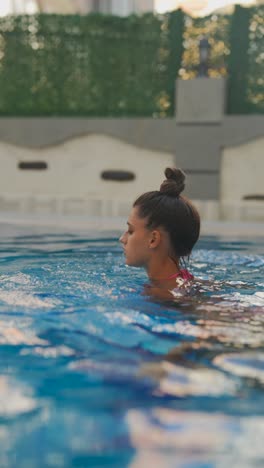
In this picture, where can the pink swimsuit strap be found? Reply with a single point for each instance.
(184, 274)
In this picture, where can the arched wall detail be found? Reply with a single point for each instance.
(73, 175)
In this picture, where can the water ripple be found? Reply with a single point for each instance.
(115, 372)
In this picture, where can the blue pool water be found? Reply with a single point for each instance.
(94, 374)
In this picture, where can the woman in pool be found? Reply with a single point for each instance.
(163, 227)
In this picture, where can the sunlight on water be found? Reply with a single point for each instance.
(93, 373)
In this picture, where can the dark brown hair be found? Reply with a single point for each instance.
(167, 208)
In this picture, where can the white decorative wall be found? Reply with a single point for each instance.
(242, 172)
(72, 182)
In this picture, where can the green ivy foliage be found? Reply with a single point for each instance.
(92, 65)
(246, 62)
(107, 66)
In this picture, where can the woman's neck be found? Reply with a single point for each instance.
(162, 269)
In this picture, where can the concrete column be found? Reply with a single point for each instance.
(201, 100)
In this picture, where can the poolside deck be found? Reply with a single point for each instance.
(14, 222)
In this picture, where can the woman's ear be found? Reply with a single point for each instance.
(155, 239)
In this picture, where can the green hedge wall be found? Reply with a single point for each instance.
(246, 62)
(91, 65)
(106, 66)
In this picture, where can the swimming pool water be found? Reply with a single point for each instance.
(93, 373)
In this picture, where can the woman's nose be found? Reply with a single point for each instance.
(122, 239)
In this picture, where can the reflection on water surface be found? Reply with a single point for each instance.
(93, 373)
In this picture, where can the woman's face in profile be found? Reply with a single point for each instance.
(136, 240)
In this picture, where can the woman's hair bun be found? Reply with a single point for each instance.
(174, 183)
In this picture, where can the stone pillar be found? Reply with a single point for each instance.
(201, 100)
